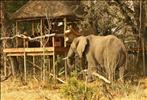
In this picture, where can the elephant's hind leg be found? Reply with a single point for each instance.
(110, 75)
(91, 69)
(121, 73)
(92, 63)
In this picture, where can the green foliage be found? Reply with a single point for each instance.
(99, 18)
(9, 7)
(98, 90)
(76, 90)
(12, 6)
(103, 15)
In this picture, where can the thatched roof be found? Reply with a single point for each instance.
(37, 9)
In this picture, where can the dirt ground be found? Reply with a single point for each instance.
(14, 90)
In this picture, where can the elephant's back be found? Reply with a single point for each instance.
(114, 46)
(117, 48)
(115, 42)
(110, 42)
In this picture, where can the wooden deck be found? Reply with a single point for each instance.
(35, 51)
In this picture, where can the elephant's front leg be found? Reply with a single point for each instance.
(91, 69)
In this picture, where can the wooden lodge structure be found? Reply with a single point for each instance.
(40, 28)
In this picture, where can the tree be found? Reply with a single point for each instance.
(125, 17)
(7, 8)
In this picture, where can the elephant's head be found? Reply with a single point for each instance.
(77, 48)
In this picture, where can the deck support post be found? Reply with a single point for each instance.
(49, 66)
(54, 63)
(41, 45)
(143, 56)
(5, 58)
(34, 67)
(25, 68)
(25, 65)
(5, 65)
(65, 63)
(33, 56)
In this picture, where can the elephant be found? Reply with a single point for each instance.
(106, 52)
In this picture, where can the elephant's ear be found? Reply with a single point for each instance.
(81, 46)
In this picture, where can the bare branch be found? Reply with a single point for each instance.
(27, 37)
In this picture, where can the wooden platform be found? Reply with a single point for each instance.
(35, 51)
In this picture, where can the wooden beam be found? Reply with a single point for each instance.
(29, 54)
(13, 50)
(35, 51)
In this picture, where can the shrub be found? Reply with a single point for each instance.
(76, 90)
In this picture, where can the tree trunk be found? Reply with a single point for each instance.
(140, 17)
(6, 32)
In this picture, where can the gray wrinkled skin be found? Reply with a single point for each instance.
(106, 52)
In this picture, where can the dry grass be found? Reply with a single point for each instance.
(13, 89)
(116, 91)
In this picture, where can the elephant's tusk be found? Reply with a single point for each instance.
(67, 31)
(65, 58)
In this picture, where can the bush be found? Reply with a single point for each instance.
(76, 90)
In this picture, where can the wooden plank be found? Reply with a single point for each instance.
(29, 54)
(13, 50)
(21, 50)
(59, 35)
(35, 51)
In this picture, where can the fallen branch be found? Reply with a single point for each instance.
(101, 77)
(58, 78)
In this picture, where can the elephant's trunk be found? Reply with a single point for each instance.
(70, 60)
(70, 65)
